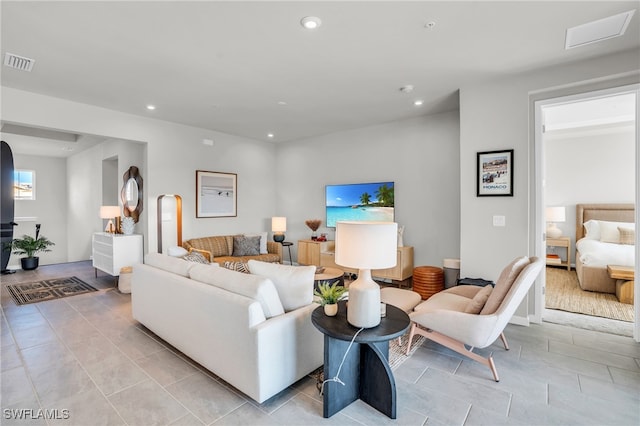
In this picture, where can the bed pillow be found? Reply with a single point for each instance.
(627, 235)
(246, 246)
(592, 229)
(263, 240)
(293, 283)
(609, 231)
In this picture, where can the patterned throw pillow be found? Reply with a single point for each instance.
(627, 235)
(196, 257)
(236, 266)
(246, 246)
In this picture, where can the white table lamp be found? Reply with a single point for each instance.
(365, 246)
(552, 216)
(279, 227)
(110, 212)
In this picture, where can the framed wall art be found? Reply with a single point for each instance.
(495, 174)
(216, 194)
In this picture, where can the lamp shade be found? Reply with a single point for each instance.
(555, 214)
(278, 224)
(366, 245)
(109, 212)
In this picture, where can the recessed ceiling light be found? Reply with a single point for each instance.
(418, 102)
(270, 135)
(310, 22)
(151, 107)
(430, 25)
(407, 89)
(282, 103)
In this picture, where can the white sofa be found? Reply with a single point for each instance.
(231, 323)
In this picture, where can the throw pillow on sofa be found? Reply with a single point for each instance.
(237, 266)
(293, 283)
(246, 246)
(263, 241)
(196, 257)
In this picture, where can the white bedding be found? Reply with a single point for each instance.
(597, 253)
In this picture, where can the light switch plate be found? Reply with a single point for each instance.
(499, 221)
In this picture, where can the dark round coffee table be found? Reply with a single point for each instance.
(365, 372)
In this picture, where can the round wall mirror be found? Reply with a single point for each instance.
(131, 193)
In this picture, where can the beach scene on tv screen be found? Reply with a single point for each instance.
(360, 202)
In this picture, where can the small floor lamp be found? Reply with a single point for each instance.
(365, 246)
(553, 215)
(110, 212)
(279, 227)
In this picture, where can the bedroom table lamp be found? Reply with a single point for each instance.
(552, 216)
(111, 213)
(365, 246)
(279, 227)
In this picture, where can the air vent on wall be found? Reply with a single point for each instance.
(18, 62)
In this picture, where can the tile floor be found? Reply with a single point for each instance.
(85, 358)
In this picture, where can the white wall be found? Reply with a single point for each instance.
(49, 208)
(592, 167)
(420, 155)
(498, 115)
(174, 153)
(85, 189)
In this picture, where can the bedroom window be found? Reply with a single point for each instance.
(24, 187)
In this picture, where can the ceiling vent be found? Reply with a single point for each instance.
(602, 29)
(18, 62)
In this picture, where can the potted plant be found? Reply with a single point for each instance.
(329, 295)
(29, 246)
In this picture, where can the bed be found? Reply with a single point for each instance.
(592, 255)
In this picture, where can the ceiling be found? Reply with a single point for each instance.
(249, 68)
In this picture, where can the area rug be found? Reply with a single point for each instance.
(397, 355)
(564, 293)
(51, 289)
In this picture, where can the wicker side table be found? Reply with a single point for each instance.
(428, 280)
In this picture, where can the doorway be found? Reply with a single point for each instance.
(575, 138)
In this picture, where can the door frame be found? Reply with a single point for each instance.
(538, 227)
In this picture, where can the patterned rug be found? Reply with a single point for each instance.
(41, 291)
(564, 293)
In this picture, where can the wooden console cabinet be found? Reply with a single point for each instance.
(322, 253)
(114, 251)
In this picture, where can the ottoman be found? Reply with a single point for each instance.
(402, 299)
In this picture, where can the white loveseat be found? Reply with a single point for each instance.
(231, 323)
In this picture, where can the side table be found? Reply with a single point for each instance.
(288, 244)
(328, 274)
(365, 372)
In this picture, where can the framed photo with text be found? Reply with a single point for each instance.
(495, 174)
(216, 194)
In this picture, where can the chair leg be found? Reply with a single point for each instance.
(411, 334)
(504, 341)
(456, 346)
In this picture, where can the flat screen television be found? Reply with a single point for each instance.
(360, 202)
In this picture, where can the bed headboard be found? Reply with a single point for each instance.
(610, 212)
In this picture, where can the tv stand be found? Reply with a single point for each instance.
(322, 253)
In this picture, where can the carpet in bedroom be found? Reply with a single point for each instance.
(564, 293)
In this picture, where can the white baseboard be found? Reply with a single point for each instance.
(519, 321)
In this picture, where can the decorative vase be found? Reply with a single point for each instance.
(331, 310)
(314, 236)
(127, 225)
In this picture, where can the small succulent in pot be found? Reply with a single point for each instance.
(330, 294)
